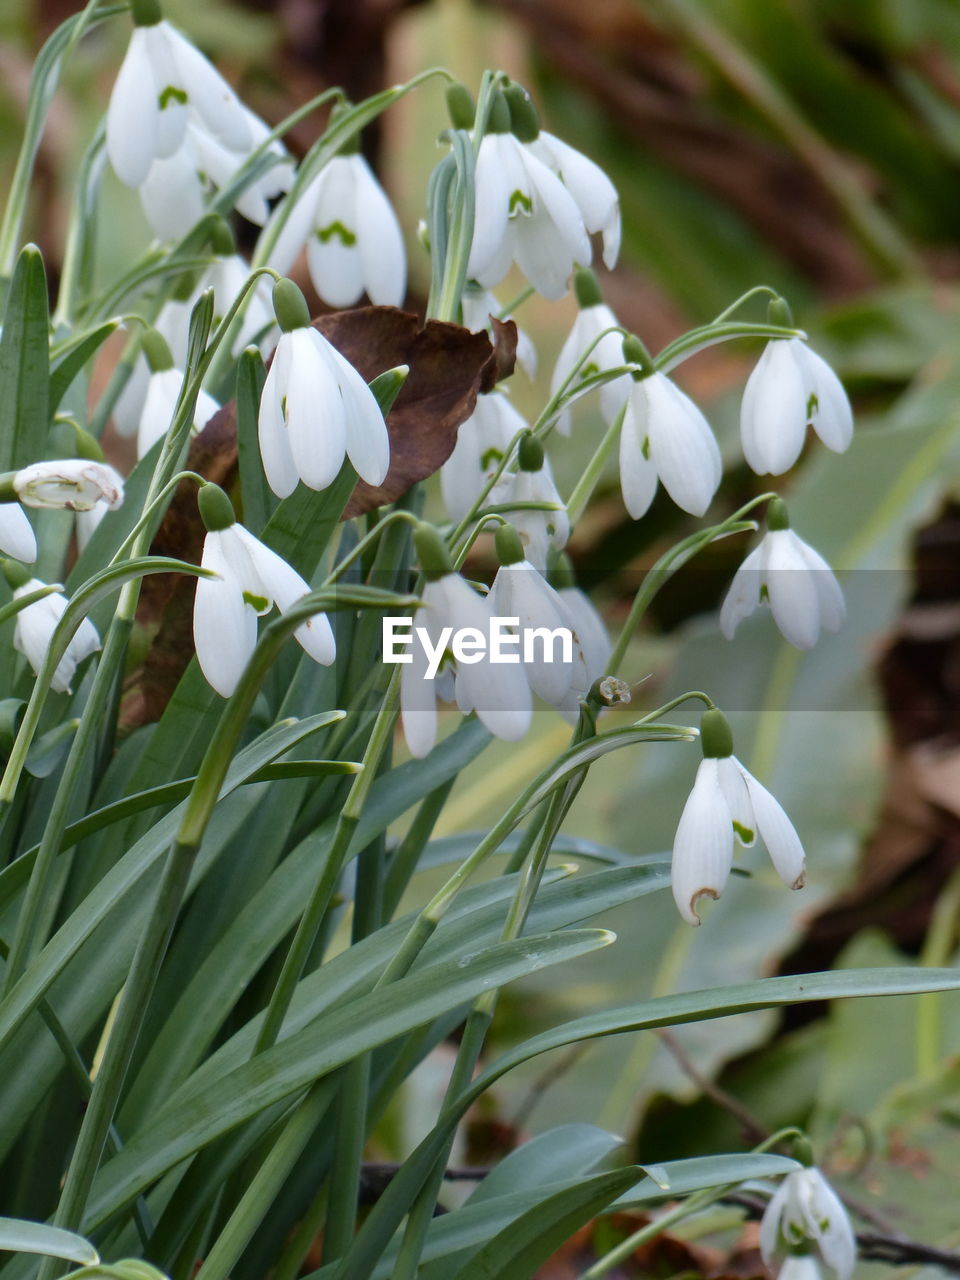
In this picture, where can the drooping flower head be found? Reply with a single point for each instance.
(803, 1213)
(250, 579)
(726, 802)
(35, 624)
(786, 574)
(315, 408)
(591, 348)
(524, 214)
(162, 394)
(353, 239)
(665, 439)
(790, 389)
(539, 530)
(164, 83)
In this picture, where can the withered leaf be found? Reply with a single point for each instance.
(449, 367)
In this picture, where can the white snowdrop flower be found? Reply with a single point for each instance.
(163, 391)
(593, 319)
(520, 591)
(796, 582)
(727, 801)
(483, 439)
(595, 195)
(497, 692)
(524, 214)
(315, 408)
(590, 636)
(478, 306)
(250, 580)
(163, 83)
(666, 438)
(805, 1210)
(77, 484)
(353, 239)
(790, 388)
(533, 482)
(33, 630)
(17, 538)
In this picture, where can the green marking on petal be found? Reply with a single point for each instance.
(813, 404)
(764, 593)
(744, 834)
(338, 231)
(172, 94)
(645, 448)
(490, 458)
(520, 201)
(283, 407)
(260, 604)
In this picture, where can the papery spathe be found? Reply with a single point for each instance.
(76, 484)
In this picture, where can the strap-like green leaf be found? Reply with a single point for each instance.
(25, 364)
(19, 1236)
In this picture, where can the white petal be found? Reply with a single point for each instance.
(838, 1245)
(743, 596)
(173, 195)
(224, 626)
(209, 94)
(132, 116)
(162, 392)
(770, 1222)
(16, 533)
(204, 410)
(333, 247)
(551, 240)
(381, 240)
(589, 632)
(638, 474)
(832, 417)
(315, 412)
(520, 591)
(594, 193)
(682, 446)
(286, 587)
(792, 589)
(833, 610)
(367, 441)
(730, 775)
(773, 414)
(498, 174)
(129, 404)
(703, 845)
(418, 701)
(278, 464)
(776, 831)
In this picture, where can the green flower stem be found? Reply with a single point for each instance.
(576, 385)
(77, 253)
(367, 541)
(676, 702)
(152, 508)
(620, 1252)
(266, 1184)
(673, 560)
(709, 335)
(744, 298)
(152, 946)
(312, 918)
(583, 490)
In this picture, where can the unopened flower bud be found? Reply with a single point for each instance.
(76, 484)
(216, 509)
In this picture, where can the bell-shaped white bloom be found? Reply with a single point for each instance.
(605, 353)
(163, 83)
(594, 193)
(483, 439)
(251, 578)
(315, 409)
(478, 306)
(553, 664)
(176, 191)
(33, 630)
(665, 437)
(354, 242)
(590, 636)
(538, 530)
(790, 388)
(524, 214)
(497, 691)
(76, 484)
(805, 1210)
(17, 538)
(726, 802)
(794, 580)
(163, 391)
